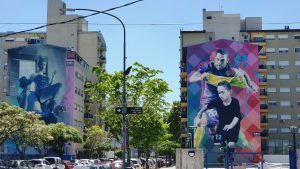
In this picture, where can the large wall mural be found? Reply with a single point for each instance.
(223, 95)
(38, 81)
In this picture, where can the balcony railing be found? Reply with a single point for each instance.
(263, 106)
(183, 83)
(262, 67)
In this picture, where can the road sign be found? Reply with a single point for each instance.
(134, 110)
(119, 110)
(129, 110)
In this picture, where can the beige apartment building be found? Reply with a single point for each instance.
(279, 73)
(89, 47)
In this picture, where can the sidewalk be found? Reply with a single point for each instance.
(171, 167)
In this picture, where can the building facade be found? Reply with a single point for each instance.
(278, 73)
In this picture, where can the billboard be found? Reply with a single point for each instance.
(223, 97)
(39, 81)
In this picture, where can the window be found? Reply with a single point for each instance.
(272, 103)
(297, 37)
(272, 89)
(285, 130)
(20, 39)
(208, 17)
(271, 76)
(284, 63)
(297, 76)
(298, 117)
(298, 102)
(285, 117)
(270, 37)
(285, 103)
(298, 89)
(258, 38)
(283, 50)
(272, 130)
(9, 39)
(285, 89)
(270, 50)
(4, 90)
(284, 76)
(297, 50)
(283, 36)
(4, 77)
(271, 63)
(297, 63)
(272, 116)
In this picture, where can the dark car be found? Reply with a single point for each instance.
(68, 164)
(2, 164)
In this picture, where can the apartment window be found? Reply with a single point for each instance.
(9, 39)
(272, 116)
(297, 76)
(285, 103)
(297, 50)
(284, 76)
(283, 50)
(271, 89)
(4, 77)
(285, 89)
(273, 130)
(283, 64)
(298, 116)
(283, 36)
(270, 37)
(4, 90)
(285, 130)
(285, 117)
(297, 63)
(272, 103)
(297, 37)
(298, 102)
(270, 50)
(271, 63)
(271, 76)
(258, 38)
(20, 39)
(298, 89)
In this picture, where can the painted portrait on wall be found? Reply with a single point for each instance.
(223, 95)
(38, 81)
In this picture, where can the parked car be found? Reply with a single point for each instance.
(55, 162)
(136, 163)
(40, 164)
(2, 164)
(68, 164)
(19, 164)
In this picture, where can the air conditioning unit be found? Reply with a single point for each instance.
(282, 120)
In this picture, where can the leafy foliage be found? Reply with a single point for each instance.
(62, 134)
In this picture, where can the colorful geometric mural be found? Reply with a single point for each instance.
(38, 81)
(208, 64)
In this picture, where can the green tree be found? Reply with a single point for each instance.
(14, 119)
(33, 135)
(168, 148)
(61, 135)
(172, 118)
(96, 140)
(144, 89)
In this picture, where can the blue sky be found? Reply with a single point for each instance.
(155, 46)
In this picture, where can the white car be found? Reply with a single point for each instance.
(41, 164)
(136, 163)
(55, 162)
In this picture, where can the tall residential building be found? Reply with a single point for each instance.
(279, 73)
(87, 47)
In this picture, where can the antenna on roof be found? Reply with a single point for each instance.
(220, 5)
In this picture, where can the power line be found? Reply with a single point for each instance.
(146, 24)
(64, 22)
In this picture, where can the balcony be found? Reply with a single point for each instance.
(183, 98)
(264, 134)
(183, 83)
(263, 106)
(88, 116)
(263, 94)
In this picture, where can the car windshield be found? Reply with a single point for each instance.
(50, 160)
(35, 162)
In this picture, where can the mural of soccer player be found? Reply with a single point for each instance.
(217, 70)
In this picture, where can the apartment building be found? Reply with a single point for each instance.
(279, 73)
(87, 47)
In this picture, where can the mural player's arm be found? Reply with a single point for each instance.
(250, 84)
(197, 76)
(53, 74)
(232, 124)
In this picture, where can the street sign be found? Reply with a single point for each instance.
(118, 110)
(134, 110)
(129, 110)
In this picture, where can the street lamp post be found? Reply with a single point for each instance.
(294, 130)
(192, 128)
(293, 153)
(124, 105)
